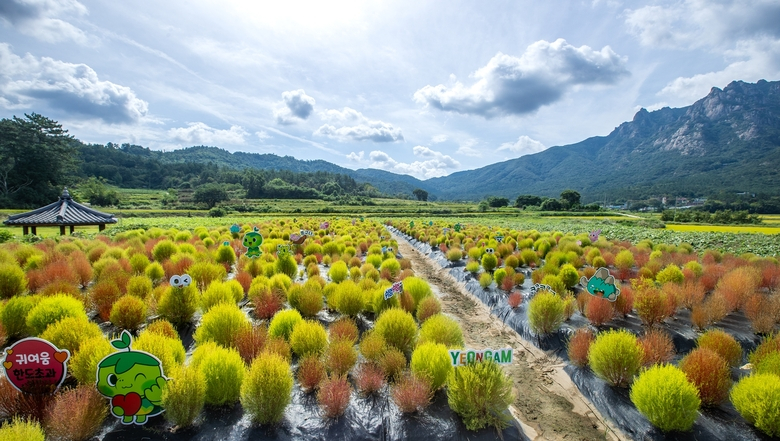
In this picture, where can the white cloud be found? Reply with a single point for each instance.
(356, 127)
(510, 85)
(296, 106)
(28, 81)
(747, 36)
(436, 164)
(356, 157)
(39, 19)
(198, 133)
(262, 135)
(438, 139)
(468, 151)
(524, 146)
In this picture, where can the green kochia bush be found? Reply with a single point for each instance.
(338, 272)
(283, 322)
(170, 351)
(286, 264)
(308, 338)
(546, 313)
(481, 394)
(217, 292)
(51, 309)
(757, 399)
(348, 298)
(185, 396)
(221, 324)
(615, 357)
(223, 370)
(432, 362)
(70, 332)
(664, 395)
(441, 329)
(20, 429)
(83, 364)
(14, 314)
(178, 304)
(398, 329)
(267, 389)
(13, 281)
(418, 289)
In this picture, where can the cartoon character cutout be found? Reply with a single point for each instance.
(252, 241)
(602, 284)
(133, 381)
(594, 235)
(457, 228)
(235, 229)
(297, 239)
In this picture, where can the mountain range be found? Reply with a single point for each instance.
(726, 141)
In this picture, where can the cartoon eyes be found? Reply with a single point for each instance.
(181, 281)
(111, 380)
(490, 250)
(389, 249)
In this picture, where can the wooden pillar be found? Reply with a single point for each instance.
(101, 227)
(34, 230)
(71, 229)
(62, 230)
(25, 230)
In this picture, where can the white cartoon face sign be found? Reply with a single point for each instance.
(180, 281)
(490, 250)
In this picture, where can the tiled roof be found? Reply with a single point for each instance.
(65, 211)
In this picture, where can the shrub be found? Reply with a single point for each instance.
(579, 345)
(485, 280)
(250, 341)
(221, 324)
(14, 315)
(344, 329)
(267, 302)
(83, 364)
(373, 346)
(170, 351)
(657, 347)
(283, 322)
(203, 273)
(184, 396)
(723, 344)
(392, 266)
(441, 329)
(431, 361)
(418, 289)
(769, 364)
(650, 304)
(340, 357)
(666, 398)
(489, 262)
(162, 327)
(369, 378)
(129, 312)
(216, 293)
(545, 313)
(427, 308)
(311, 372)
(569, 275)
(103, 296)
(139, 262)
(454, 255)
(309, 301)
(348, 298)
(472, 267)
(757, 399)
(76, 414)
(154, 271)
(599, 310)
(178, 304)
(308, 338)
(70, 332)
(672, 273)
(21, 429)
(338, 272)
(710, 373)
(411, 394)
(737, 285)
(286, 265)
(769, 345)
(615, 356)
(52, 309)
(481, 394)
(139, 286)
(393, 362)
(515, 299)
(13, 281)
(163, 250)
(267, 389)
(333, 396)
(398, 328)
(223, 370)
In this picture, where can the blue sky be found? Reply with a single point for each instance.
(417, 87)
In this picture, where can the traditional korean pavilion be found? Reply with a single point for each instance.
(64, 213)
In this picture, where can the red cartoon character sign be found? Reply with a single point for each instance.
(35, 366)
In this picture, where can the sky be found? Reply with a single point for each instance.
(424, 88)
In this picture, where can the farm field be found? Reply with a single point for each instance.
(725, 228)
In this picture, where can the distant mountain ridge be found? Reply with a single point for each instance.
(726, 141)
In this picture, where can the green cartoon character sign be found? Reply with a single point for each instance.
(133, 380)
(252, 241)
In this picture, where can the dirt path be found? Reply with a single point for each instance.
(548, 404)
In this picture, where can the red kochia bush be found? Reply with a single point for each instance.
(599, 310)
(76, 414)
(579, 345)
(515, 299)
(245, 279)
(311, 373)
(267, 302)
(333, 396)
(710, 276)
(657, 346)
(369, 378)
(723, 344)
(250, 341)
(411, 394)
(343, 329)
(103, 296)
(710, 373)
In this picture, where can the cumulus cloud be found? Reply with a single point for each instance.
(510, 85)
(350, 125)
(748, 36)
(42, 19)
(296, 106)
(356, 157)
(262, 135)
(434, 164)
(199, 133)
(29, 81)
(523, 146)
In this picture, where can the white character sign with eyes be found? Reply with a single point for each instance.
(490, 250)
(181, 281)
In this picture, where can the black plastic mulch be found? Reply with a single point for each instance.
(714, 424)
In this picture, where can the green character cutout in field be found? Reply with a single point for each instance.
(602, 284)
(252, 242)
(134, 382)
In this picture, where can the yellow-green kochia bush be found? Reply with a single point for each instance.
(664, 395)
(267, 389)
(223, 370)
(481, 394)
(546, 312)
(83, 364)
(439, 328)
(615, 357)
(757, 399)
(417, 288)
(178, 304)
(19, 429)
(308, 338)
(432, 362)
(51, 310)
(221, 324)
(398, 328)
(14, 315)
(185, 396)
(13, 280)
(283, 322)
(489, 261)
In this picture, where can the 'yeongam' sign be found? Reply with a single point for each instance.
(463, 357)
